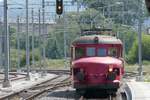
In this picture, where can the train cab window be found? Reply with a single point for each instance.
(101, 52)
(90, 51)
(112, 52)
(79, 52)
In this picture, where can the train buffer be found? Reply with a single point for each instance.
(138, 90)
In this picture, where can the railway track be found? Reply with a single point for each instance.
(34, 92)
(60, 72)
(49, 87)
(14, 74)
(62, 80)
(14, 77)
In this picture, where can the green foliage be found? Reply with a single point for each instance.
(117, 10)
(55, 43)
(133, 53)
(52, 50)
(12, 33)
(14, 57)
(56, 64)
(36, 56)
(128, 35)
(145, 62)
(91, 18)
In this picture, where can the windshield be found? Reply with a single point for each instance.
(90, 51)
(102, 52)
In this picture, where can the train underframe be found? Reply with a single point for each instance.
(109, 88)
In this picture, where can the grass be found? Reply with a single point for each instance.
(146, 69)
(130, 68)
(55, 64)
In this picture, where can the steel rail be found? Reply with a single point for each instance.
(50, 87)
(11, 95)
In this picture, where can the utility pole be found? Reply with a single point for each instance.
(32, 13)
(27, 42)
(65, 45)
(140, 47)
(124, 50)
(1, 28)
(140, 69)
(40, 39)
(78, 7)
(18, 43)
(43, 47)
(6, 52)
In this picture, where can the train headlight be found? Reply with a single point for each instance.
(110, 69)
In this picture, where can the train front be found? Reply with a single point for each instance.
(96, 63)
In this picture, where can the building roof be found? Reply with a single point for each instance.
(97, 39)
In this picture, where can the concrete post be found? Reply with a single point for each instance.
(140, 69)
(32, 13)
(40, 38)
(43, 45)
(27, 42)
(65, 40)
(6, 52)
(1, 28)
(18, 43)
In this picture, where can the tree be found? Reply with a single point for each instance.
(133, 53)
(117, 10)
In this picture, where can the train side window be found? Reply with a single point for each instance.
(79, 52)
(101, 52)
(90, 51)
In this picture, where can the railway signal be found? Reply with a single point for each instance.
(59, 7)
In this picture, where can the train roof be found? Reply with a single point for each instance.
(99, 39)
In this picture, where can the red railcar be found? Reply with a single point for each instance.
(96, 63)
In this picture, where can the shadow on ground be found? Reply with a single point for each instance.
(71, 94)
